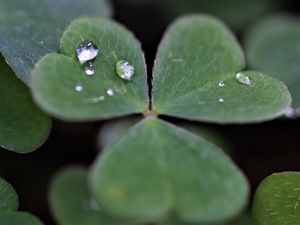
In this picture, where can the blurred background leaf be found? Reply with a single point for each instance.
(31, 29)
(8, 197)
(273, 46)
(23, 126)
(72, 203)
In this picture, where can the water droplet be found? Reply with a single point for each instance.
(86, 51)
(110, 92)
(124, 69)
(78, 88)
(290, 113)
(89, 69)
(221, 100)
(243, 79)
(221, 84)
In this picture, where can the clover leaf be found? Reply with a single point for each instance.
(56, 76)
(9, 204)
(158, 168)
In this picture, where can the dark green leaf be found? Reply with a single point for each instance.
(23, 127)
(158, 169)
(277, 200)
(8, 197)
(243, 219)
(72, 203)
(56, 76)
(196, 54)
(31, 29)
(19, 218)
(272, 46)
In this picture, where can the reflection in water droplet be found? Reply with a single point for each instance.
(86, 51)
(124, 69)
(110, 92)
(78, 88)
(290, 113)
(243, 79)
(221, 100)
(221, 84)
(89, 69)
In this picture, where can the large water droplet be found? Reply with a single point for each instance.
(221, 84)
(89, 69)
(124, 70)
(243, 79)
(110, 92)
(78, 88)
(221, 100)
(86, 51)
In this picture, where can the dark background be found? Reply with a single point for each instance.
(259, 149)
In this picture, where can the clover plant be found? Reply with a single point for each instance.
(77, 65)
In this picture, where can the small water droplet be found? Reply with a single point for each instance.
(110, 92)
(124, 69)
(221, 100)
(86, 51)
(89, 69)
(290, 113)
(78, 88)
(221, 84)
(243, 79)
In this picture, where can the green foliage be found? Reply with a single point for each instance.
(272, 47)
(9, 204)
(195, 55)
(19, 218)
(236, 13)
(72, 202)
(8, 197)
(56, 75)
(243, 219)
(277, 200)
(31, 29)
(172, 171)
(23, 127)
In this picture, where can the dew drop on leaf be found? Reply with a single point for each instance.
(110, 92)
(243, 79)
(221, 84)
(86, 51)
(124, 70)
(78, 88)
(89, 69)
